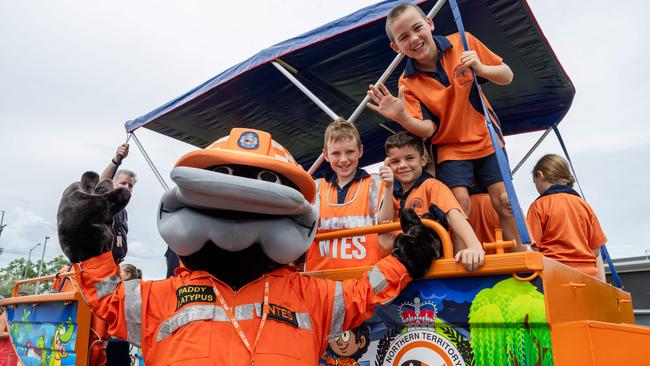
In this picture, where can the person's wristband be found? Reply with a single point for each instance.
(115, 162)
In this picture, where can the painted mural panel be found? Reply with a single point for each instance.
(44, 335)
(470, 321)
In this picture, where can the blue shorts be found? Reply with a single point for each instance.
(483, 171)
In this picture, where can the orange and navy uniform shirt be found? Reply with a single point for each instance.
(482, 217)
(566, 228)
(426, 190)
(449, 98)
(353, 206)
(179, 321)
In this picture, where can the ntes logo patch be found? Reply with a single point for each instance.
(189, 294)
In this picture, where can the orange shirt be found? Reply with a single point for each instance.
(566, 228)
(179, 321)
(426, 191)
(483, 218)
(450, 99)
(359, 209)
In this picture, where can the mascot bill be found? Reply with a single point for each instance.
(240, 213)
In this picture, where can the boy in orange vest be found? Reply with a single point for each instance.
(350, 198)
(438, 100)
(423, 193)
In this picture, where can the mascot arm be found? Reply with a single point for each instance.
(341, 305)
(85, 216)
(104, 291)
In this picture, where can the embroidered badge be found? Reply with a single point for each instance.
(283, 314)
(463, 75)
(249, 140)
(189, 294)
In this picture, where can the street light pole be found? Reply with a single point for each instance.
(2, 222)
(40, 268)
(28, 260)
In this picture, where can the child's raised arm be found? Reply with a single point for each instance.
(498, 74)
(472, 255)
(393, 108)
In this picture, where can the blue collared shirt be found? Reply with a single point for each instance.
(342, 192)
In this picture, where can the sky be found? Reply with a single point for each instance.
(73, 71)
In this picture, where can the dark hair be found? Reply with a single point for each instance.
(397, 11)
(404, 138)
(361, 331)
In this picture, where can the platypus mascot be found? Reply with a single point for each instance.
(240, 213)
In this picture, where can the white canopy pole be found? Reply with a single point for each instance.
(149, 161)
(539, 141)
(305, 90)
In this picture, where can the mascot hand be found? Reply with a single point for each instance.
(85, 216)
(418, 246)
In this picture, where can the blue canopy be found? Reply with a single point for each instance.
(338, 61)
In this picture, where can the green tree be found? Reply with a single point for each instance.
(19, 269)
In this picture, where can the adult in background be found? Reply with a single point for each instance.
(126, 179)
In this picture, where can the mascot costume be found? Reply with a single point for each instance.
(240, 214)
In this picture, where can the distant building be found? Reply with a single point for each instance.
(635, 276)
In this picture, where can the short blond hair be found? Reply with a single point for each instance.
(341, 130)
(397, 11)
(556, 170)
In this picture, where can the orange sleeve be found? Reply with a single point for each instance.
(441, 196)
(103, 290)
(534, 221)
(411, 102)
(598, 237)
(344, 305)
(486, 55)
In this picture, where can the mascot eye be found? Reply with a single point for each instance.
(345, 337)
(269, 176)
(223, 169)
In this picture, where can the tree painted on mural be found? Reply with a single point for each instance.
(508, 326)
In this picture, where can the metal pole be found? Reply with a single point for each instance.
(150, 162)
(2, 220)
(305, 90)
(382, 79)
(40, 267)
(29, 257)
(539, 141)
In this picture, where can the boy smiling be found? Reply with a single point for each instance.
(437, 100)
(423, 193)
(350, 198)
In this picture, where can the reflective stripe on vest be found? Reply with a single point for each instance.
(338, 312)
(133, 311)
(107, 286)
(345, 222)
(377, 280)
(216, 313)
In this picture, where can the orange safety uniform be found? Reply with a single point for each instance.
(483, 218)
(427, 190)
(566, 228)
(449, 98)
(358, 209)
(178, 321)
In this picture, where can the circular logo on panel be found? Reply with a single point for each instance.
(421, 345)
(463, 75)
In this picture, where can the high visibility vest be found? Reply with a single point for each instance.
(359, 210)
(178, 321)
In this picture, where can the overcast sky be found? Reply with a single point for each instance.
(72, 72)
